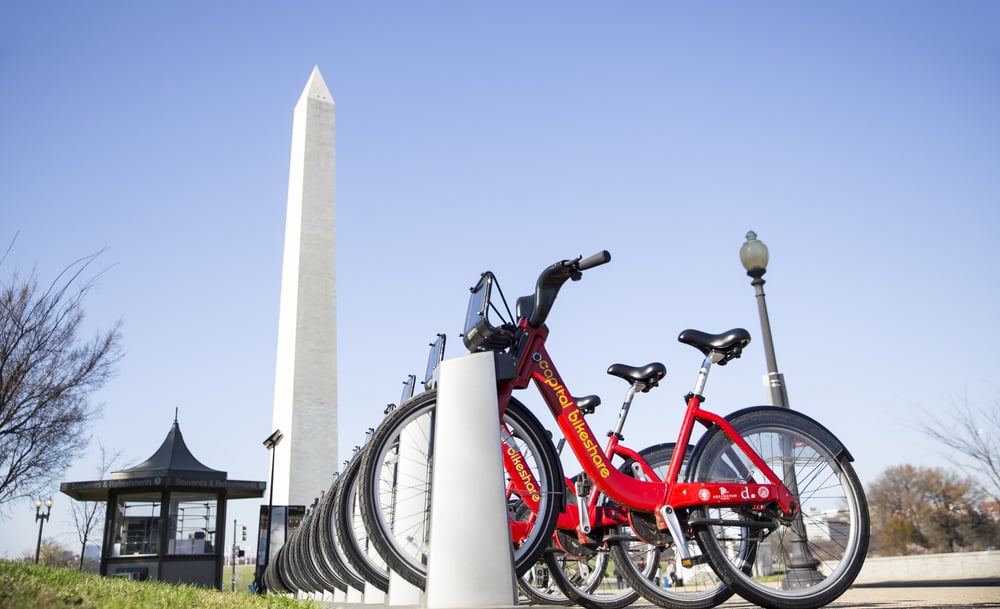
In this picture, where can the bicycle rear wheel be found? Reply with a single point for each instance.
(395, 485)
(808, 561)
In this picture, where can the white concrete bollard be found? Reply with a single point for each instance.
(373, 596)
(402, 593)
(470, 561)
(355, 596)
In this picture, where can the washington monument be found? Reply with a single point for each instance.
(305, 380)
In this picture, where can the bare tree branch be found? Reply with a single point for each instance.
(87, 514)
(47, 375)
(973, 432)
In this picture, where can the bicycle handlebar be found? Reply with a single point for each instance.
(553, 277)
(601, 257)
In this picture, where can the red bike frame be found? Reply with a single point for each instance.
(651, 495)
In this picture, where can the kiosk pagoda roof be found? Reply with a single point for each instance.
(172, 459)
(171, 466)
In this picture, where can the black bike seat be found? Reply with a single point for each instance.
(729, 344)
(649, 375)
(587, 403)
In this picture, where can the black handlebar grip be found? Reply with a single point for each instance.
(602, 257)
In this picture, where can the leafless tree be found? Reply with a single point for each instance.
(87, 515)
(973, 432)
(47, 375)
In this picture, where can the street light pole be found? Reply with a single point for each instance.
(754, 257)
(232, 559)
(40, 518)
(802, 566)
(270, 443)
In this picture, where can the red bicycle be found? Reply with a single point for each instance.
(769, 501)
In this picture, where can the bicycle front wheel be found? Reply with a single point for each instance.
(807, 561)
(538, 587)
(584, 576)
(324, 561)
(331, 545)
(655, 570)
(395, 485)
(350, 530)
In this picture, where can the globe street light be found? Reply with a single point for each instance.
(802, 567)
(40, 518)
(753, 255)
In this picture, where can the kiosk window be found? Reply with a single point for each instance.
(136, 525)
(191, 524)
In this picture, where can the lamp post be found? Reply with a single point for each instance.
(801, 563)
(40, 518)
(270, 443)
(232, 559)
(753, 255)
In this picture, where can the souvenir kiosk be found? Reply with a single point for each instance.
(166, 517)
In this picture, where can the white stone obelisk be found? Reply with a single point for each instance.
(305, 380)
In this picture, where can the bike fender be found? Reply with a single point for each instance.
(815, 427)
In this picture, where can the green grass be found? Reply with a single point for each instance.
(28, 586)
(244, 577)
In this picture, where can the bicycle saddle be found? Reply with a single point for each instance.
(649, 375)
(728, 344)
(588, 403)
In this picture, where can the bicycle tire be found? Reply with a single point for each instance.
(580, 578)
(695, 587)
(308, 562)
(284, 573)
(537, 584)
(831, 499)
(332, 548)
(295, 564)
(324, 562)
(580, 571)
(306, 559)
(539, 587)
(349, 530)
(267, 580)
(401, 538)
(328, 575)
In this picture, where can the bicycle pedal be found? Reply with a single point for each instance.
(700, 559)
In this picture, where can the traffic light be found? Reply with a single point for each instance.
(244, 533)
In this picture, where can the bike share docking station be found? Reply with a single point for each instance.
(470, 560)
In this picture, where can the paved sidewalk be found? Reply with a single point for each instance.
(859, 597)
(892, 597)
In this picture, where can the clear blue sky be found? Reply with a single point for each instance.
(860, 140)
